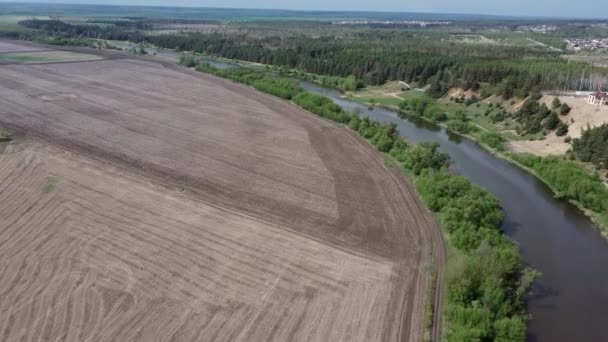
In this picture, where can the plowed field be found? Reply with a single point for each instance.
(152, 203)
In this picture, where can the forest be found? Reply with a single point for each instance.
(372, 56)
(510, 71)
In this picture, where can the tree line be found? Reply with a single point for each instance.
(377, 59)
(374, 57)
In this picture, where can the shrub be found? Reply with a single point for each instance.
(423, 156)
(494, 140)
(562, 129)
(564, 109)
(461, 127)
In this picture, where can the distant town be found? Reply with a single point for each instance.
(587, 44)
(419, 23)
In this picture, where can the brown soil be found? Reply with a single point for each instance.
(190, 208)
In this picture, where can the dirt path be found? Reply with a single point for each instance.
(227, 213)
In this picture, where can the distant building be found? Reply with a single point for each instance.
(600, 99)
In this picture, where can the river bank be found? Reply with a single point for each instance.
(600, 219)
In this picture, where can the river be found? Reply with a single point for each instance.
(570, 301)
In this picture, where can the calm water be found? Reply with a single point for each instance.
(570, 301)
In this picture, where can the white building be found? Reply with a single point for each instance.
(600, 99)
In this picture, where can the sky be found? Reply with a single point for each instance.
(559, 8)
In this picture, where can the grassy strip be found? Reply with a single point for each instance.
(571, 182)
(486, 285)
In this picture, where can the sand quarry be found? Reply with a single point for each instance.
(146, 202)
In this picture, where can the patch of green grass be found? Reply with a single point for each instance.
(10, 23)
(5, 136)
(23, 58)
(50, 185)
(366, 96)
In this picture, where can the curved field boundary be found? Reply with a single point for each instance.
(289, 226)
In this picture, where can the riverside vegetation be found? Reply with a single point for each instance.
(486, 285)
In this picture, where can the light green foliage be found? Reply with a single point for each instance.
(187, 61)
(568, 180)
(424, 156)
(50, 185)
(322, 106)
(278, 86)
(494, 140)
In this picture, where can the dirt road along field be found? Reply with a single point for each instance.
(155, 204)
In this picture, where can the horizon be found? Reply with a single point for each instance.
(213, 4)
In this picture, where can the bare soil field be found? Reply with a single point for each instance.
(151, 203)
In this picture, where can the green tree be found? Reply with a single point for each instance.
(425, 155)
(562, 129)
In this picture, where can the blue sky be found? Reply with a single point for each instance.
(564, 8)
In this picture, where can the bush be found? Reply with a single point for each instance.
(188, 61)
(461, 127)
(562, 129)
(564, 109)
(424, 156)
(494, 140)
(322, 106)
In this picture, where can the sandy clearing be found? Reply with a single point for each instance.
(288, 227)
(583, 115)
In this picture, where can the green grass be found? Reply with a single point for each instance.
(365, 96)
(44, 57)
(23, 58)
(50, 185)
(5, 136)
(10, 23)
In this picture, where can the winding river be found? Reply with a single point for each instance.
(570, 301)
